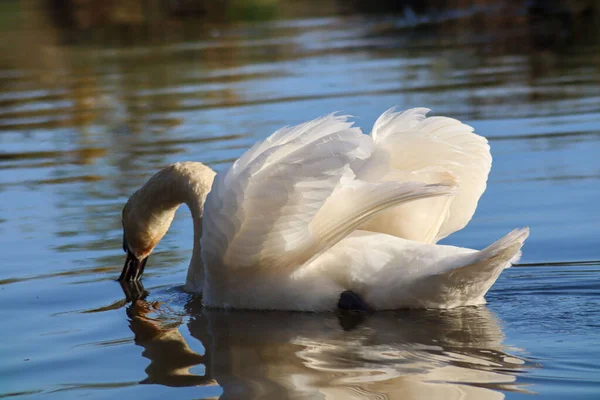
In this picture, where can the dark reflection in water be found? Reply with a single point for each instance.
(169, 355)
(276, 355)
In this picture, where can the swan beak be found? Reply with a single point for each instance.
(133, 268)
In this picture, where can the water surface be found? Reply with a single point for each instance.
(93, 103)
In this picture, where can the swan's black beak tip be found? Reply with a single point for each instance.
(133, 268)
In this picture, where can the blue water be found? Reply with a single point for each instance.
(90, 110)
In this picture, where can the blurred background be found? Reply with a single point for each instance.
(96, 95)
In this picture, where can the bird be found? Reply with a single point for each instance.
(322, 217)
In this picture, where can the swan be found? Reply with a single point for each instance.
(320, 216)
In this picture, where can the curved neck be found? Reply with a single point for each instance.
(194, 282)
(157, 201)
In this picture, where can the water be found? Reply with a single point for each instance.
(94, 102)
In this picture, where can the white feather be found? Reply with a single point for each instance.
(281, 225)
(409, 146)
(391, 272)
(260, 209)
(293, 196)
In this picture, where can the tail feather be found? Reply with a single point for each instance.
(508, 248)
(466, 281)
(495, 257)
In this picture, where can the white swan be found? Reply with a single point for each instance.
(319, 216)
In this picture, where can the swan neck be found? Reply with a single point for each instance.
(193, 182)
(195, 275)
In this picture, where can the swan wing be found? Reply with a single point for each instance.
(408, 146)
(294, 194)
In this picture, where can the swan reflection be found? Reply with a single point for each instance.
(452, 354)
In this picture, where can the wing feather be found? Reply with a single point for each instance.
(262, 205)
(294, 195)
(411, 147)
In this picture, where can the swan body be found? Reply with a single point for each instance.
(320, 208)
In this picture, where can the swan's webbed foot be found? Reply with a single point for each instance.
(351, 301)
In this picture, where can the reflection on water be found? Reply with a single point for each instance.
(97, 95)
(409, 355)
(170, 356)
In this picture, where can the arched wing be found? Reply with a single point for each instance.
(294, 195)
(408, 146)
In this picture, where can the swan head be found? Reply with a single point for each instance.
(143, 228)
